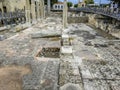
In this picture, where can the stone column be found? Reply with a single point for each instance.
(42, 9)
(27, 10)
(48, 6)
(38, 11)
(1, 3)
(33, 11)
(65, 14)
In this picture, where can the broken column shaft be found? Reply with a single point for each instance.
(33, 11)
(28, 19)
(65, 14)
(38, 11)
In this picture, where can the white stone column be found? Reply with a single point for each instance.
(27, 10)
(65, 9)
(48, 6)
(38, 11)
(42, 9)
(33, 11)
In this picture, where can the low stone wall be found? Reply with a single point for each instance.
(81, 19)
(111, 26)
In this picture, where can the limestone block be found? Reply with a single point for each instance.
(2, 37)
(103, 26)
(66, 50)
(24, 26)
(45, 35)
(3, 28)
(96, 24)
(65, 39)
(18, 28)
(8, 26)
(110, 27)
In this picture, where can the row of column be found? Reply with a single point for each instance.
(34, 10)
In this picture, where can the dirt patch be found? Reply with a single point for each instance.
(11, 76)
(49, 52)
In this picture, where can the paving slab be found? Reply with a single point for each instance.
(71, 86)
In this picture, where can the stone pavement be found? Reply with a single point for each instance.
(92, 64)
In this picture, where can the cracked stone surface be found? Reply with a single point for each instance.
(94, 63)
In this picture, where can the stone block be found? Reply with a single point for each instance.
(18, 28)
(66, 50)
(65, 40)
(2, 37)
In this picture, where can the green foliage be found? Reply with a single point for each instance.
(52, 2)
(76, 5)
(69, 4)
(89, 1)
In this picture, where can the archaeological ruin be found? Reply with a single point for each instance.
(76, 47)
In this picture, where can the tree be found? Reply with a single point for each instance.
(52, 2)
(76, 5)
(89, 1)
(69, 4)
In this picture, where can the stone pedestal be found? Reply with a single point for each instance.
(65, 40)
(66, 50)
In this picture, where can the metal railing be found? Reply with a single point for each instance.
(10, 18)
(11, 15)
(99, 10)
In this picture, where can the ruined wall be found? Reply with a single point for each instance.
(12, 4)
(83, 19)
(18, 4)
(77, 18)
(107, 24)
